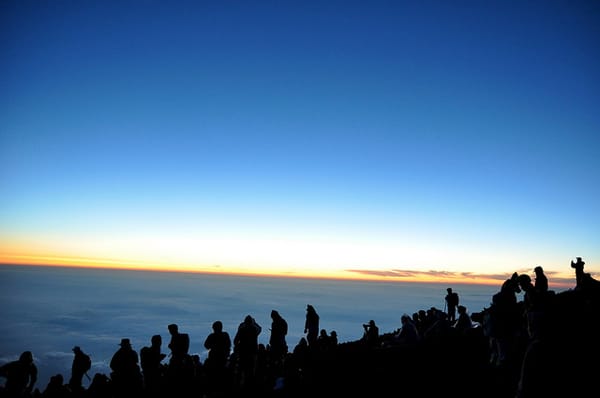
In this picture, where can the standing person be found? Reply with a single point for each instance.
(81, 364)
(21, 376)
(180, 371)
(126, 375)
(218, 344)
(541, 281)
(279, 329)
(311, 326)
(179, 345)
(246, 349)
(152, 368)
(452, 303)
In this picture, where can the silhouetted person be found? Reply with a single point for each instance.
(56, 388)
(541, 281)
(246, 348)
(197, 375)
(301, 348)
(81, 364)
(408, 333)
(21, 375)
(504, 321)
(463, 324)
(126, 376)
(218, 344)
(584, 280)
(100, 387)
(451, 302)
(537, 359)
(180, 371)
(152, 368)
(179, 345)
(300, 356)
(311, 326)
(333, 338)
(279, 329)
(371, 334)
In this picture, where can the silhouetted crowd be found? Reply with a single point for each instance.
(545, 345)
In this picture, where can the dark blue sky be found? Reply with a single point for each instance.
(302, 136)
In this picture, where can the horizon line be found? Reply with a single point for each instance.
(399, 276)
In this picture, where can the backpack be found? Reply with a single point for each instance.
(86, 362)
(455, 298)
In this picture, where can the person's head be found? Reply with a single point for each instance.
(274, 314)
(449, 290)
(217, 326)
(173, 328)
(248, 320)
(76, 349)
(125, 343)
(461, 309)
(524, 281)
(156, 340)
(538, 270)
(26, 357)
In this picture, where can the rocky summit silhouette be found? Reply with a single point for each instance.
(542, 346)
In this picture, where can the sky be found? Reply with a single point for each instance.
(383, 139)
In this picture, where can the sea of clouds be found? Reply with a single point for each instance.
(50, 310)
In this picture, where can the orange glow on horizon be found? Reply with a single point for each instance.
(81, 262)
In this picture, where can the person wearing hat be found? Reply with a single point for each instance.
(81, 364)
(126, 375)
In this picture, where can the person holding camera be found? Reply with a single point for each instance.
(371, 335)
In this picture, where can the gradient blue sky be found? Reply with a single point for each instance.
(304, 137)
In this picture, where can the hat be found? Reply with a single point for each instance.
(125, 342)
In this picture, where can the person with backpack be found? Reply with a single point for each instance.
(452, 303)
(81, 364)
